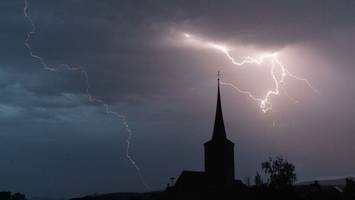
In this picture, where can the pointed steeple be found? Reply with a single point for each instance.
(219, 151)
(219, 132)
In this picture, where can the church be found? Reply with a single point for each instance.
(219, 159)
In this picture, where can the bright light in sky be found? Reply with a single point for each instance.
(219, 47)
(278, 71)
(187, 35)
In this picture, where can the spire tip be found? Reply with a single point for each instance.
(219, 76)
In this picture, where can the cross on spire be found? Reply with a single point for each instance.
(219, 75)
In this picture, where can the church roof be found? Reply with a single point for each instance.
(191, 179)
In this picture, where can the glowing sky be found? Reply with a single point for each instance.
(272, 59)
(56, 143)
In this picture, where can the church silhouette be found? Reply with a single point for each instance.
(219, 160)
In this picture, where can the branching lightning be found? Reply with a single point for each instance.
(91, 98)
(278, 80)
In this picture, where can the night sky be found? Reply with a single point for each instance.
(56, 143)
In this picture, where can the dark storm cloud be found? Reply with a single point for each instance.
(120, 39)
(160, 88)
(132, 24)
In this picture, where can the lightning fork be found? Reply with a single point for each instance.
(90, 97)
(265, 101)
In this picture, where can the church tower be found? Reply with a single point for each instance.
(219, 152)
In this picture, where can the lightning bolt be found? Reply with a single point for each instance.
(91, 98)
(264, 101)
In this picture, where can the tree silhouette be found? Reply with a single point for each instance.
(258, 181)
(349, 190)
(281, 173)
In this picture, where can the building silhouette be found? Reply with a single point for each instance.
(219, 159)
